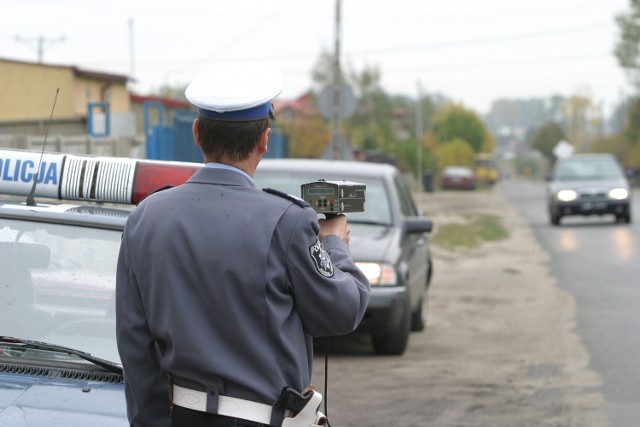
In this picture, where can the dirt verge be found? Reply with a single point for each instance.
(499, 349)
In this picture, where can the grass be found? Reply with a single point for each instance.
(477, 229)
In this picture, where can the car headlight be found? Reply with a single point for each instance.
(567, 195)
(618, 193)
(379, 274)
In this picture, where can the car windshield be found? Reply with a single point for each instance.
(58, 285)
(458, 172)
(377, 209)
(587, 169)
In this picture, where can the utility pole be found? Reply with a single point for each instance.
(419, 132)
(132, 67)
(39, 44)
(336, 105)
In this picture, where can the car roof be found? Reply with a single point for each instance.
(585, 156)
(92, 215)
(113, 215)
(330, 167)
(458, 169)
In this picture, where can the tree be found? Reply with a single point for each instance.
(457, 152)
(581, 119)
(627, 50)
(308, 135)
(453, 122)
(322, 71)
(169, 91)
(632, 126)
(371, 125)
(545, 139)
(631, 135)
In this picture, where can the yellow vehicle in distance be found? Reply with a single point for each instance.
(486, 169)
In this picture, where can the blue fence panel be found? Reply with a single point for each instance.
(177, 143)
(278, 146)
(161, 143)
(186, 149)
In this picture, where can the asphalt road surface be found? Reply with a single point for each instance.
(508, 343)
(598, 262)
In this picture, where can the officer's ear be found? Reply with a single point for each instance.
(196, 136)
(263, 143)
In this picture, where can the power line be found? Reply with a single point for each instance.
(39, 43)
(507, 38)
(387, 50)
(485, 40)
(258, 26)
(509, 63)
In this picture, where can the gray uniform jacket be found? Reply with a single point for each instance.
(222, 286)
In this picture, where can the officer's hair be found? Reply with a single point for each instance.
(227, 140)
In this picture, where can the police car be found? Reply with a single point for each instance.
(59, 363)
(61, 221)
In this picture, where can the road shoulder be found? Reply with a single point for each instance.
(500, 318)
(500, 347)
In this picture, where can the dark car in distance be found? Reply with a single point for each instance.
(389, 242)
(458, 178)
(588, 184)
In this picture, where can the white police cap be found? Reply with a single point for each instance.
(239, 91)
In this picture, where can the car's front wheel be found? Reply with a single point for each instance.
(419, 316)
(624, 218)
(554, 217)
(394, 342)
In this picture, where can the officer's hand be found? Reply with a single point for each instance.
(335, 226)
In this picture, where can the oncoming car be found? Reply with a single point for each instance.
(588, 184)
(59, 363)
(389, 242)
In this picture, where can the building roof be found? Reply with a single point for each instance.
(167, 102)
(95, 75)
(303, 105)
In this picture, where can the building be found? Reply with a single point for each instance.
(28, 91)
(94, 111)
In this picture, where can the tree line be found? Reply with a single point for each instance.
(452, 134)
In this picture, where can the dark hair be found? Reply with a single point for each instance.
(229, 140)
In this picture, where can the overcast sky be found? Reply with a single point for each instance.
(472, 51)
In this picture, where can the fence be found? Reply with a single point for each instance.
(82, 144)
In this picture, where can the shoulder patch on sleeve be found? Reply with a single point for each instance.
(321, 259)
(297, 200)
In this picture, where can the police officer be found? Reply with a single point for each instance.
(222, 286)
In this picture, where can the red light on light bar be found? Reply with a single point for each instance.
(153, 176)
(98, 179)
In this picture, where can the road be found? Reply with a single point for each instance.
(501, 348)
(598, 262)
